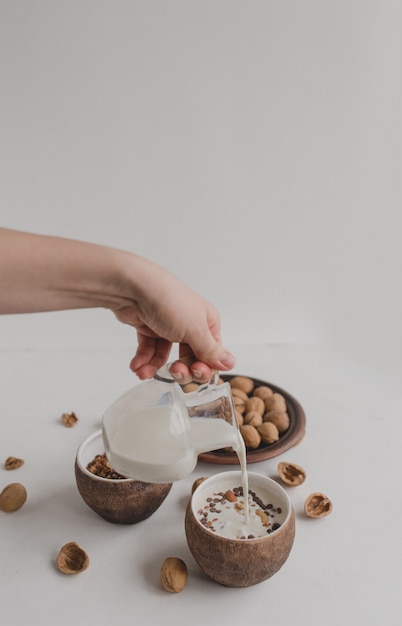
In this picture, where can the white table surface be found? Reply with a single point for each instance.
(343, 569)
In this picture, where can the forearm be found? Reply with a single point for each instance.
(41, 273)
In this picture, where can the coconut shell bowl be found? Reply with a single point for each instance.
(250, 559)
(117, 500)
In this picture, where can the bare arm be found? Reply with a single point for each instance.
(42, 273)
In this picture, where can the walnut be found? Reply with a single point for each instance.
(239, 393)
(72, 559)
(12, 463)
(239, 404)
(242, 382)
(239, 418)
(255, 404)
(69, 419)
(12, 497)
(253, 417)
(291, 474)
(275, 402)
(190, 387)
(317, 505)
(196, 483)
(263, 391)
(279, 418)
(268, 432)
(251, 436)
(173, 574)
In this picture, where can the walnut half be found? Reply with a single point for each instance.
(72, 559)
(291, 474)
(317, 505)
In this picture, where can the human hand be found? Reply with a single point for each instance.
(166, 311)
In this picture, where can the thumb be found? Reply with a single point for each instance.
(209, 350)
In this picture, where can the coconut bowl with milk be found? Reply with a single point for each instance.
(228, 550)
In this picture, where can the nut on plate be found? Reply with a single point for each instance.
(275, 402)
(317, 505)
(279, 418)
(244, 383)
(291, 474)
(255, 404)
(263, 392)
(173, 574)
(268, 432)
(72, 559)
(251, 436)
(253, 417)
(12, 497)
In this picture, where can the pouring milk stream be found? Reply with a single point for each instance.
(155, 431)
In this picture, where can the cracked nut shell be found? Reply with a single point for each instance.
(173, 574)
(72, 559)
(12, 497)
(317, 505)
(291, 474)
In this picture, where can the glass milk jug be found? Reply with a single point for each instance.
(155, 431)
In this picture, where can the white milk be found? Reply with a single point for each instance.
(224, 516)
(150, 445)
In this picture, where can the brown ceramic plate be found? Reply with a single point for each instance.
(291, 437)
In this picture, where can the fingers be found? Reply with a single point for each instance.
(208, 350)
(150, 355)
(185, 372)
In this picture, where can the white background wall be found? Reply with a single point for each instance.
(252, 147)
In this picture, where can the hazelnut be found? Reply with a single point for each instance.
(255, 404)
(279, 418)
(251, 436)
(173, 574)
(242, 382)
(253, 417)
(275, 402)
(268, 432)
(12, 497)
(317, 505)
(72, 559)
(291, 474)
(196, 483)
(263, 391)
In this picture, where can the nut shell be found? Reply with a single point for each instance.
(263, 392)
(291, 474)
(253, 418)
(242, 382)
(239, 393)
(275, 402)
(12, 497)
(279, 418)
(268, 432)
(72, 559)
(255, 404)
(251, 436)
(173, 574)
(317, 505)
